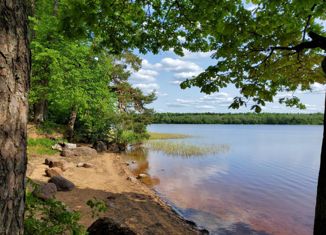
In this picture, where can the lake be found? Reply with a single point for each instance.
(264, 184)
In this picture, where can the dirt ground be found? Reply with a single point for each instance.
(129, 203)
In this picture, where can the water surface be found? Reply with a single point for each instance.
(265, 183)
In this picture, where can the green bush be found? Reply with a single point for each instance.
(50, 217)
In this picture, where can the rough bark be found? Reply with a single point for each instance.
(320, 211)
(40, 109)
(71, 124)
(14, 76)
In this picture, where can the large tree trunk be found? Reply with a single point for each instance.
(320, 212)
(14, 75)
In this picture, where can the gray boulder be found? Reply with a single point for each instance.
(69, 146)
(45, 191)
(108, 226)
(100, 146)
(62, 183)
(79, 151)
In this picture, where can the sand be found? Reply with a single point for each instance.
(129, 203)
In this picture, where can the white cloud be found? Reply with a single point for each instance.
(185, 75)
(177, 65)
(207, 102)
(176, 82)
(145, 75)
(146, 65)
(318, 88)
(147, 88)
(205, 107)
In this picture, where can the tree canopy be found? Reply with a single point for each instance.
(262, 48)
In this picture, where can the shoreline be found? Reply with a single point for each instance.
(130, 202)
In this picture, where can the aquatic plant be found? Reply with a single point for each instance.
(161, 136)
(185, 149)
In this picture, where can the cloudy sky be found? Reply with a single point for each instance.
(163, 73)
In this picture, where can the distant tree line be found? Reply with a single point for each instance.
(239, 118)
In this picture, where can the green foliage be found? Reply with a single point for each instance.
(49, 127)
(41, 146)
(80, 74)
(97, 206)
(261, 50)
(50, 217)
(239, 118)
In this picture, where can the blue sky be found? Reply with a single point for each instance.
(163, 73)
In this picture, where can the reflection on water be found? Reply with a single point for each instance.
(265, 184)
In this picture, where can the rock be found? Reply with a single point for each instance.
(133, 162)
(140, 176)
(62, 183)
(88, 165)
(81, 164)
(108, 226)
(48, 160)
(57, 147)
(79, 151)
(100, 146)
(45, 191)
(132, 179)
(85, 165)
(69, 146)
(55, 163)
(113, 147)
(127, 163)
(55, 171)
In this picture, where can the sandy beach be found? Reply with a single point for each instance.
(130, 202)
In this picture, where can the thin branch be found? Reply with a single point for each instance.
(308, 23)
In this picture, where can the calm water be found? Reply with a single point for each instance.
(264, 184)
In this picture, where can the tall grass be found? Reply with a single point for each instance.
(185, 149)
(160, 136)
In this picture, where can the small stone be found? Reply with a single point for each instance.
(133, 162)
(57, 147)
(62, 183)
(55, 171)
(88, 165)
(127, 163)
(48, 161)
(54, 163)
(85, 165)
(132, 179)
(141, 176)
(45, 191)
(81, 164)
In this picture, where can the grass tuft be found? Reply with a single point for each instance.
(41, 146)
(161, 136)
(185, 149)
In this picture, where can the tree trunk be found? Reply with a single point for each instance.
(320, 211)
(40, 111)
(14, 77)
(71, 124)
